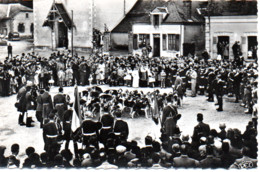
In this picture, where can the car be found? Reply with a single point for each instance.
(3, 42)
(14, 36)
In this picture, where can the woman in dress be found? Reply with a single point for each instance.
(135, 75)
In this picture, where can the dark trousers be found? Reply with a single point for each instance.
(10, 53)
(220, 101)
(210, 94)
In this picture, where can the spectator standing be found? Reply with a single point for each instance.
(10, 50)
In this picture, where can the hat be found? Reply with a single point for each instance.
(120, 149)
(204, 139)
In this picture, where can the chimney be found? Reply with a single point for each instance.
(187, 4)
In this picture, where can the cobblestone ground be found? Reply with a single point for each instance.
(233, 115)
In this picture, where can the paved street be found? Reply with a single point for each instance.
(233, 116)
(18, 48)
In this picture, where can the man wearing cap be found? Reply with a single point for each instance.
(60, 103)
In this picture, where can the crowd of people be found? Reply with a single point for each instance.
(103, 133)
(103, 136)
(201, 75)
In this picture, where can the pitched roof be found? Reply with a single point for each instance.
(63, 14)
(142, 9)
(10, 10)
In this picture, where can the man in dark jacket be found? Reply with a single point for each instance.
(210, 161)
(121, 129)
(168, 118)
(50, 135)
(201, 129)
(60, 103)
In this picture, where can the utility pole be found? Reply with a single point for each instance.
(72, 33)
(209, 13)
(124, 8)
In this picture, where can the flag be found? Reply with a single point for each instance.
(155, 111)
(76, 116)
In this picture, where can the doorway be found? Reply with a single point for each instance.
(156, 46)
(252, 46)
(188, 48)
(223, 46)
(62, 35)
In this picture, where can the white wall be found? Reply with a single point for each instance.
(235, 27)
(162, 29)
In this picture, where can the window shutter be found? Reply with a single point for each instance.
(130, 42)
(135, 43)
(164, 41)
(177, 43)
(214, 40)
(147, 39)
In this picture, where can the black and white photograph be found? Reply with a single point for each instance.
(129, 84)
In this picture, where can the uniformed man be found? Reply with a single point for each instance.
(60, 103)
(107, 121)
(67, 118)
(121, 129)
(211, 78)
(219, 92)
(237, 82)
(47, 103)
(200, 130)
(89, 128)
(50, 136)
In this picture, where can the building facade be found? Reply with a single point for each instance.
(226, 30)
(54, 22)
(169, 27)
(16, 18)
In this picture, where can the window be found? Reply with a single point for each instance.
(173, 42)
(144, 40)
(135, 45)
(164, 42)
(26, 15)
(156, 20)
(21, 27)
(31, 27)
